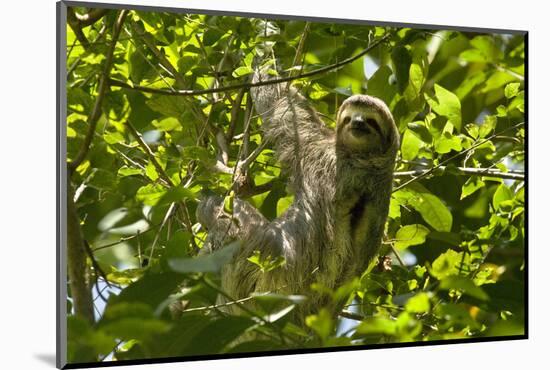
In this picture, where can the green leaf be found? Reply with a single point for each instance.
(419, 303)
(283, 204)
(502, 111)
(416, 78)
(465, 285)
(199, 153)
(255, 346)
(276, 316)
(446, 104)
(402, 60)
(411, 235)
(135, 328)
(518, 102)
(216, 335)
(473, 56)
(488, 126)
(377, 325)
(471, 185)
(151, 171)
(448, 264)
(395, 209)
(502, 194)
(486, 47)
(114, 137)
(211, 36)
(445, 143)
(469, 84)
(84, 344)
(167, 124)
(511, 90)
(170, 106)
(152, 289)
(205, 263)
(150, 194)
(421, 131)
(410, 145)
(176, 194)
(242, 71)
(430, 207)
(473, 130)
(177, 246)
(378, 85)
(497, 80)
(322, 323)
(128, 171)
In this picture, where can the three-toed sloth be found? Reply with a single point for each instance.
(341, 180)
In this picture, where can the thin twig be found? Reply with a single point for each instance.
(101, 91)
(96, 266)
(467, 171)
(397, 255)
(149, 153)
(300, 55)
(125, 239)
(328, 68)
(351, 315)
(166, 217)
(247, 310)
(234, 115)
(216, 306)
(431, 170)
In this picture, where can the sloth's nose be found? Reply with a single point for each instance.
(358, 123)
(360, 127)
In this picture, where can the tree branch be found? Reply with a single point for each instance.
(328, 68)
(75, 25)
(351, 315)
(101, 91)
(431, 170)
(77, 269)
(489, 172)
(91, 17)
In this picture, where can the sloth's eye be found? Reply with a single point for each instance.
(372, 122)
(346, 119)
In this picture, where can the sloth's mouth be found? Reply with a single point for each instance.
(366, 127)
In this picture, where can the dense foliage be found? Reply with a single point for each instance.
(143, 145)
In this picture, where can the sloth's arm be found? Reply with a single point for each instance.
(289, 122)
(223, 227)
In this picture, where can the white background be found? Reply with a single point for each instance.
(27, 182)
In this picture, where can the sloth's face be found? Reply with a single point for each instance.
(365, 124)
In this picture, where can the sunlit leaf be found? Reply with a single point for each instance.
(419, 303)
(464, 284)
(447, 104)
(410, 235)
(432, 209)
(448, 264)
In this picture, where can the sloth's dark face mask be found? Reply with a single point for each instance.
(362, 129)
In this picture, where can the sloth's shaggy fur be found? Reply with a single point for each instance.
(341, 180)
